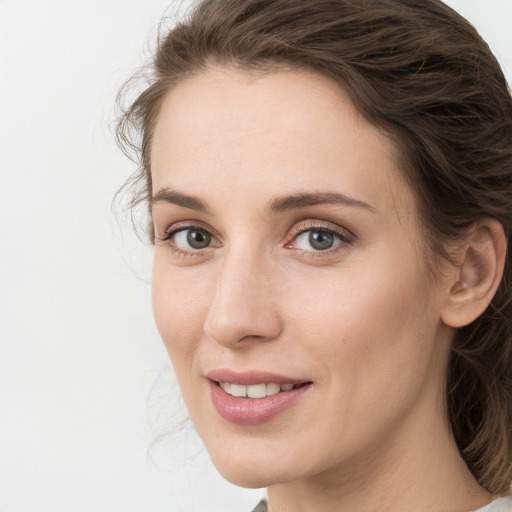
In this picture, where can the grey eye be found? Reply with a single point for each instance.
(198, 239)
(193, 238)
(321, 240)
(316, 240)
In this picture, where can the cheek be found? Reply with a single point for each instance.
(180, 306)
(372, 339)
(371, 324)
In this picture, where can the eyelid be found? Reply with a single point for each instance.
(186, 224)
(344, 236)
(176, 227)
(320, 225)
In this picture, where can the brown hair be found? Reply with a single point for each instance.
(420, 72)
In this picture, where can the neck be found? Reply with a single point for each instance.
(421, 470)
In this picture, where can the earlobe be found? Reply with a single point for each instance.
(477, 277)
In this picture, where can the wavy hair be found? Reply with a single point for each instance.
(421, 73)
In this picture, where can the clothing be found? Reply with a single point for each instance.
(262, 506)
(499, 505)
(503, 504)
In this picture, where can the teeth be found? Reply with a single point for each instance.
(273, 389)
(238, 390)
(255, 390)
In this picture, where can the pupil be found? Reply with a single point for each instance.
(321, 240)
(198, 239)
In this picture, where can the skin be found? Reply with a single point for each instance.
(361, 320)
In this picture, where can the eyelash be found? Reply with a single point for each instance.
(343, 238)
(172, 231)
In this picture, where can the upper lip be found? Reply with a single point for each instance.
(251, 377)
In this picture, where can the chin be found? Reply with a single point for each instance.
(246, 469)
(250, 476)
(247, 479)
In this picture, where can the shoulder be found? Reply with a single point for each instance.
(262, 507)
(503, 504)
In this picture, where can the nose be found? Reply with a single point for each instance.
(243, 308)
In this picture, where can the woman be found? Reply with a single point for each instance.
(330, 190)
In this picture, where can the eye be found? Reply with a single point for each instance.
(317, 240)
(315, 237)
(192, 238)
(187, 240)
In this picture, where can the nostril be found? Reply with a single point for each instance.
(235, 327)
(241, 309)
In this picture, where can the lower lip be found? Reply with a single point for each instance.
(253, 411)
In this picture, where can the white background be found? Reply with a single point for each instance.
(79, 352)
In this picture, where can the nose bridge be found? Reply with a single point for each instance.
(243, 305)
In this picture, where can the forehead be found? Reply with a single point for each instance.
(233, 131)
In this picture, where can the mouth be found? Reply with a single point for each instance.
(254, 398)
(257, 390)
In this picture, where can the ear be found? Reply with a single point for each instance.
(477, 274)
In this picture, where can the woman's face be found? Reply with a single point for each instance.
(289, 253)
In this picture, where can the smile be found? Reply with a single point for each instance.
(254, 398)
(255, 390)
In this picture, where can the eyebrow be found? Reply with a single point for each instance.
(172, 196)
(275, 206)
(296, 201)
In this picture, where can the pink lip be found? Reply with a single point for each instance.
(252, 411)
(251, 377)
